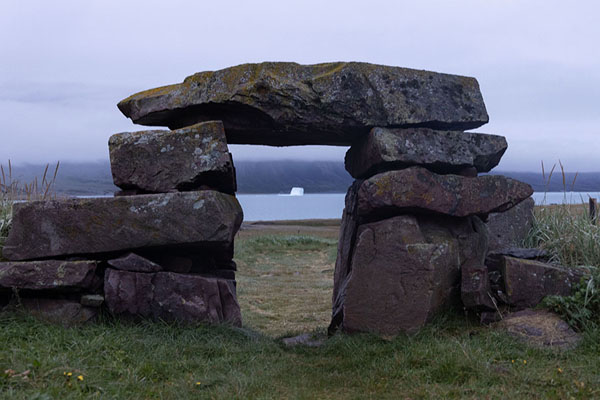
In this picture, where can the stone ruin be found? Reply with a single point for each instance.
(413, 240)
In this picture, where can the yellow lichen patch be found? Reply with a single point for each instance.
(159, 91)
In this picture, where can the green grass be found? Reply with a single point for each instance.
(284, 285)
(566, 232)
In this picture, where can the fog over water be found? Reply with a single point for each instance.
(65, 65)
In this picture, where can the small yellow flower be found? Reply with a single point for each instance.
(198, 383)
(513, 361)
(69, 374)
(80, 377)
(560, 370)
(524, 361)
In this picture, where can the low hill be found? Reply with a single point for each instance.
(94, 178)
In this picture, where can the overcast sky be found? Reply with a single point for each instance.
(64, 65)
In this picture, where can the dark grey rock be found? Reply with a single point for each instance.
(170, 296)
(54, 275)
(511, 227)
(92, 300)
(165, 161)
(134, 263)
(59, 311)
(276, 103)
(439, 151)
(102, 225)
(475, 290)
(527, 282)
(418, 189)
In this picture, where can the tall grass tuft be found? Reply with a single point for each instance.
(11, 190)
(565, 230)
(569, 235)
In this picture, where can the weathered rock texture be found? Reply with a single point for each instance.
(418, 189)
(90, 226)
(63, 276)
(134, 263)
(402, 271)
(170, 296)
(527, 282)
(59, 311)
(291, 104)
(164, 161)
(440, 151)
(510, 228)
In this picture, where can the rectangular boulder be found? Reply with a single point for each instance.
(171, 296)
(54, 275)
(527, 282)
(163, 161)
(52, 228)
(445, 152)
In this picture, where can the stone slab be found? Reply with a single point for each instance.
(439, 151)
(171, 296)
(527, 282)
(54, 275)
(164, 161)
(418, 189)
(280, 103)
(90, 226)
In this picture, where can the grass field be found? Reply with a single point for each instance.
(284, 283)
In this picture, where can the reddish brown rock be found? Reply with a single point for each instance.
(417, 189)
(444, 152)
(403, 270)
(134, 263)
(170, 296)
(276, 103)
(55, 275)
(101, 225)
(165, 161)
(59, 311)
(527, 282)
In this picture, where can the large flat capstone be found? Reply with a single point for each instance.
(278, 103)
(418, 189)
(163, 161)
(88, 226)
(441, 151)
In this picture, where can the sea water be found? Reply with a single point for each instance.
(272, 207)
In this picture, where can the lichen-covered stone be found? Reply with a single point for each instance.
(164, 161)
(418, 189)
(278, 103)
(101, 225)
(170, 296)
(54, 275)
(439, 151)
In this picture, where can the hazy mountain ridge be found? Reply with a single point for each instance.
(94, 178)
